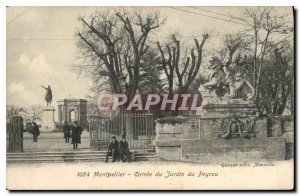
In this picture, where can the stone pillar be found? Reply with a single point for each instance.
(79, 114)
(47, 124)
(68, 116)
(14, 134)
(169, 134)
(59, 114)
(64, 111)
(83, 114)
(261, 128)
(76, 115)
(275, 128)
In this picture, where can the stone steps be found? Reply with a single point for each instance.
(71, 156)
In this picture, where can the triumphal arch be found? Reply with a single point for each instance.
(70, 110)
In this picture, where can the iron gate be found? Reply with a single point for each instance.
(138, 128)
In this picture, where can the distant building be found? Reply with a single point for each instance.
(70, 110)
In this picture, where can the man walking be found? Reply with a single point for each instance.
(112, 149)
(124, 151)
(76, 135)
(66, 130)
(35, 131)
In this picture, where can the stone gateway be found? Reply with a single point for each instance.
(70, 110)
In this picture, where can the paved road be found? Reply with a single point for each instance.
(56, 142)
(53, 142)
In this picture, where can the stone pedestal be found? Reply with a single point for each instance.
(171, 133)
(48, 124)
(217, 119)
(229, 110)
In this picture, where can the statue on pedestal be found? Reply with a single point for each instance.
(48, 96)
(227, 102)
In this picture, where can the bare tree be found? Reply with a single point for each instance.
(184, 71)
(34, 113)
(253, 51)
(263, 26)
(12, 110)
(113, 46)
(277, 81)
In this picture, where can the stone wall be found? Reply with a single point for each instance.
(184, 139)
(177, 128)
(288, 134)
(282, 126)
(215, 151)
(209, 150)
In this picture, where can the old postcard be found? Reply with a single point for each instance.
(150, 98)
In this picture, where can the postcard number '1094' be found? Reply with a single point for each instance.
(83, 174)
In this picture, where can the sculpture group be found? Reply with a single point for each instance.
(226, 83)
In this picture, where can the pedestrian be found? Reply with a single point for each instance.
(35, 131)
(76, 135)
(66, 130)
(112, 149)
(124, 150)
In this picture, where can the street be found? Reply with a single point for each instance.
(53, 142)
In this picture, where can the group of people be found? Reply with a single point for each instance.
(118, 150)
(73, 132)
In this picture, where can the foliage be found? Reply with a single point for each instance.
(115, 49)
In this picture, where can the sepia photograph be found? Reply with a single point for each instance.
(150, 98)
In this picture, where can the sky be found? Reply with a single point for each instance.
(41, 46)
